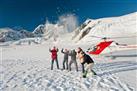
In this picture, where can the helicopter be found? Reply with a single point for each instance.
(107, 42)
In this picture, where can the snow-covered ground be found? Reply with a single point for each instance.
(27, 68)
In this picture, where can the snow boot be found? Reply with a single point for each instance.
(85, 74)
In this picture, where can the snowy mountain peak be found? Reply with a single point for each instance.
(8, 34)
(123, 26)
(2, 30)
(39, 30)
(88, 21)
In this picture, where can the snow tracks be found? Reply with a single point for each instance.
(21, 75)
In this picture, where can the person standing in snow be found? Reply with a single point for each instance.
(73, 54)
(65, 60)
(85, 59)
(54, 57)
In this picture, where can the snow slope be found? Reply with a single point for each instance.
(27, 68)
(117, 28)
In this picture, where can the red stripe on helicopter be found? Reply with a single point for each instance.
(100, 47)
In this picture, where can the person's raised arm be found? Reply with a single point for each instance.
(62, 50)
(49, 50)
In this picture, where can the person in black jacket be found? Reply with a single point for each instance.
(85, 59)
(65, 60)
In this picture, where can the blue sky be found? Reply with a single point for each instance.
(28, 14)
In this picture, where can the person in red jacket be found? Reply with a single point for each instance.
(54, 57)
